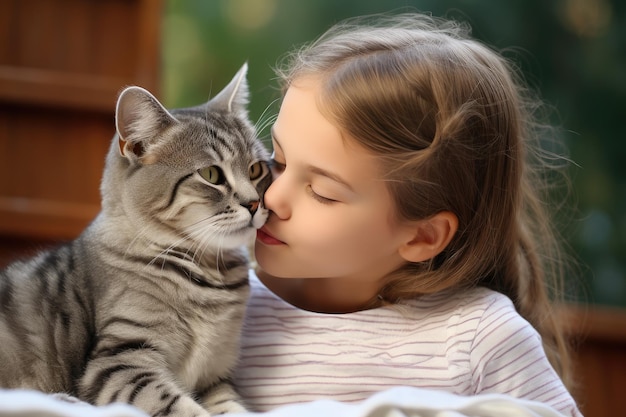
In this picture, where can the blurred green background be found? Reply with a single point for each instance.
(572, 51)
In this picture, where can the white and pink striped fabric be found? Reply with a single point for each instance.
(467, 343)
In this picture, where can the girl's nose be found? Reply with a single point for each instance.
(276, 197)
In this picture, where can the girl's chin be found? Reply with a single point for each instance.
(272, 267)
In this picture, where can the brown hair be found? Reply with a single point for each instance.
(454, 128)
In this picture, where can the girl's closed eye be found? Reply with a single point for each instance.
(320, 198)
(276, 166)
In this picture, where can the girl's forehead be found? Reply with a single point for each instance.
(303, 114)
(313, 150)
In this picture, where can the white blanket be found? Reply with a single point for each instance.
(395, 402)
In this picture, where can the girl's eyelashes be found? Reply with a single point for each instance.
(318, 197)
(276, 167)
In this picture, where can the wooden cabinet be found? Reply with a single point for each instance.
(62, 64)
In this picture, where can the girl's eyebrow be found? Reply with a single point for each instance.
(315, 169)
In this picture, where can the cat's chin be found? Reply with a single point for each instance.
(242, 237)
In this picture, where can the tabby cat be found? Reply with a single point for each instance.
(145, 306)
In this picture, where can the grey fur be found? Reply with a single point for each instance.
(145, 306)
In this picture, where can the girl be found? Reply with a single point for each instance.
(407, 242)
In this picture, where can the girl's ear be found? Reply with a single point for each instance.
(430, 237)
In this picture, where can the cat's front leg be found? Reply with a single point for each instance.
(137, 377)
(221, 398)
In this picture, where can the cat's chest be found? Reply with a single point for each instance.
(194, 325)
(211, 347)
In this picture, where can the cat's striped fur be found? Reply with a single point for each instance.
(145, 306)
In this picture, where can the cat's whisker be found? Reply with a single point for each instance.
(219, 257)
(202, 231)
(269, 121)
(160, 255)
(140, 234)
(206, 241)
(210, 237)
(265, 120)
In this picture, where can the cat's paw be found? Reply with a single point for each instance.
(61, 396)
(222, 399)
(227, 407)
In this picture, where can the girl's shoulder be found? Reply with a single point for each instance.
(461, 306)
(472, 297)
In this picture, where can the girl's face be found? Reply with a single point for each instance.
(331, 213)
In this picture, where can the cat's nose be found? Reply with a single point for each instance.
(252, 206)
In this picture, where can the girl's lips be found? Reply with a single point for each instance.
(263, 236)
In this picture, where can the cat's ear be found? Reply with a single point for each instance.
(233, 97)
(140, 118)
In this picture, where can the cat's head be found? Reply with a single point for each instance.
(196, 174)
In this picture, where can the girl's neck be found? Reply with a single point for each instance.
(321, 295)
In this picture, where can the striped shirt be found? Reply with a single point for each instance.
(470, 342)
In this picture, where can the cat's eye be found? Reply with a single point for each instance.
(213, 175)
(255, 170)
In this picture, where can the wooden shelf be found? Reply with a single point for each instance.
(40, 87)
(44, 219)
